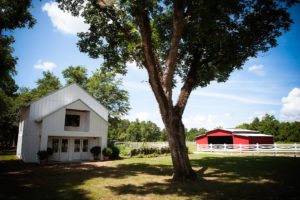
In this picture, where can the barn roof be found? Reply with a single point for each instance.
(238, 130)
(253, 135)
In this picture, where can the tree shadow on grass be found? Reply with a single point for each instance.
(60, 181)
(221, 178)
(229, 178)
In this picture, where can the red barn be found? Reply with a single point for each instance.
(234, 136)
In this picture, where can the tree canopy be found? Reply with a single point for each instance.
(76, 74)
(282, 131)
(13, 14)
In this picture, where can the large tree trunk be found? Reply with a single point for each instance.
(182, 170)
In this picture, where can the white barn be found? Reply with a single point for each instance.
(69, 120)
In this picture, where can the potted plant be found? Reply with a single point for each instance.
(106, 153)
(96, 152)
(43, 156)
(49, 152)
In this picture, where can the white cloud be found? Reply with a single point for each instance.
(236, 98)
(290, 110)
(45, 65)
(142, 116)
(209, 121)
(64, 21)
(257, 69)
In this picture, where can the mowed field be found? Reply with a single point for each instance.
(150, 178)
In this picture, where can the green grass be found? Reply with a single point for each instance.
(7, 155)
(150, 178)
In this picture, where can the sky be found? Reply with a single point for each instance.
(267, 84)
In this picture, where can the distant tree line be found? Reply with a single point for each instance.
(144, 131)
(282, 131)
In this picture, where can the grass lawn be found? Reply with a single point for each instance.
(149, 178)
(7, 155)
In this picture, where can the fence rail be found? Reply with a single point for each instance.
(265, 148)
(222, 148)
(147, 144)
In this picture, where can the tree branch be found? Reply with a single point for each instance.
(188, 85)
(151, 63)
(178, 26)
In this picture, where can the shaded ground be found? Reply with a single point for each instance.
(149, 178)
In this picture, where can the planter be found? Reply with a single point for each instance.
(43, 162)
(106, 157)
(96, 157)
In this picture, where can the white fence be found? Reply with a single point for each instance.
(250, 148)
(223, 148)
(147, 144)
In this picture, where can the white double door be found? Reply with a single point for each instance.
(65, 149)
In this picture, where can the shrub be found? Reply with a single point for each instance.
(107, 151)
(42, 155)
(124, 150)
(165, 150)
(49, 151)
(95, 150)
(115, 152)
(149, 151)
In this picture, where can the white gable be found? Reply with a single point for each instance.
(63, 97)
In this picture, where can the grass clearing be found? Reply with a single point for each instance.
(150, 178)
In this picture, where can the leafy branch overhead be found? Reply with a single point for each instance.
(200, 41)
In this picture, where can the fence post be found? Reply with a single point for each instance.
(225, 146)
(210, 146)
(295, 149)
(257, 147)
(275, 149)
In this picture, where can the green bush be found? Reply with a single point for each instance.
(107, 151)
(42, 155)
(149, 151)
(124, 150)
(49, 151)
(96, 150)
(115, 152)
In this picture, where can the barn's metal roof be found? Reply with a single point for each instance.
(253, 135)
(238, 130)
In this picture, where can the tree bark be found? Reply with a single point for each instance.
(182, 170)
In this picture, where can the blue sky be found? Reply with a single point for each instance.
(269, 83)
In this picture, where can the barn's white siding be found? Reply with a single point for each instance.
(46, 117)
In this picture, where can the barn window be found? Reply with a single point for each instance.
(72, 120)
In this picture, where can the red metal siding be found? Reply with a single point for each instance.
(202, 140)
(240, 140)
(261, 140)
